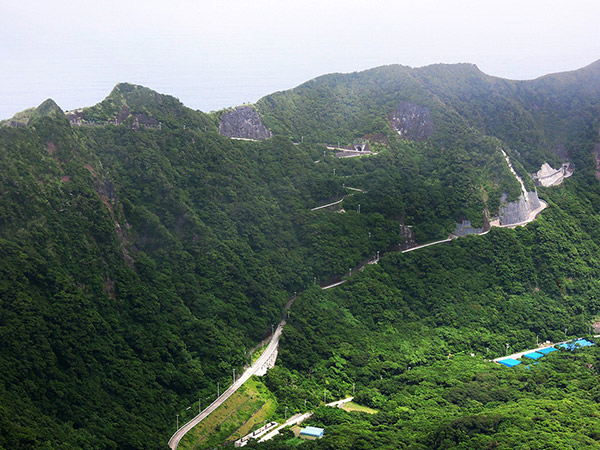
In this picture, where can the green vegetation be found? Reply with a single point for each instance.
(352, 406)
(248, 406)
(465, 402)
(142, 256)
(402, 332)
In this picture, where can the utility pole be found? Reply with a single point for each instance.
(233, 376)
(272, 330)
(218, 394)
(359, 208)
(537, 340)
(353, 388)
(350, 272)
(178, 421)
(199, 405)
(507, 346)
(286, 408)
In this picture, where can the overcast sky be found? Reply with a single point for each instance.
(218, 53)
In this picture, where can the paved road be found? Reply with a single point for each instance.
(299, 418)
(271, 348)
(329, 204)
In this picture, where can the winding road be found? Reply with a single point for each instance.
(271, 351)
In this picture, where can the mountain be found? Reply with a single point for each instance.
(526, 115)
(139, 107)
(143, 254)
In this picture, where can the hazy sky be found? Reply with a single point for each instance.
(218, 53)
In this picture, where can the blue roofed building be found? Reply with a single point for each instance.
(312, 433)
(533, 355)
(578, 343)
(547, 350)
(509, 362)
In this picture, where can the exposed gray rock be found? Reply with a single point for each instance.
(408, 237)
(412, 121)
(519, 210)
(548, 176)
(465, 228)
(243, 122)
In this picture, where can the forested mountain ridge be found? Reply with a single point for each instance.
(532, 117)
(139, 264)
(142, 254)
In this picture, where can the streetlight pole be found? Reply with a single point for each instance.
(353, 388)
(199, 405)
(178, 421)
(233, 376)
(218, 394)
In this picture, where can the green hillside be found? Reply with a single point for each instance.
(143, 255)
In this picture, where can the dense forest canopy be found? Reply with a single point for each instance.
(143, 256)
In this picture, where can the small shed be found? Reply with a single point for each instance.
(572, 345)
(312, 433)
(534, 355)
(509, 362)
(583, 343)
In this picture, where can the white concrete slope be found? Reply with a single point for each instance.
(256, 368)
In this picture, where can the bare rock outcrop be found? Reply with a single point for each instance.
(548, 176)
(408, 237)
(519, 210)
(243, 122)
(412, 121)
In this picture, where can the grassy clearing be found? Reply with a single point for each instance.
(250, 405)
(265, 412)
(351, 406)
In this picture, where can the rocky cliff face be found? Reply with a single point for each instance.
(548, 176)
(243, 122)
(408, 237)
(519, 210)
(412, 121)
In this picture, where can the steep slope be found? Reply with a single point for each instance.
(143, 253)
(413, 337)
(139, 264)
(531, 117)
(139, 107)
